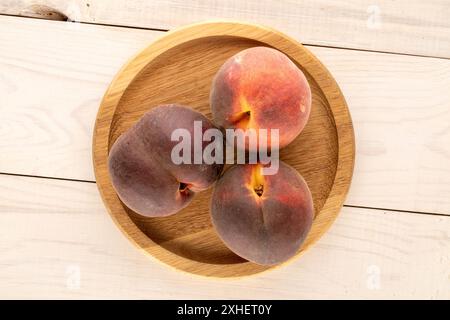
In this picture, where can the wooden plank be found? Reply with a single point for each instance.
(413, 27)
(52, 78)
(399, 106)
(57, 241)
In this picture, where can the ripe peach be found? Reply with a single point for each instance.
(261, 88)
(263, 219)
(141, 168)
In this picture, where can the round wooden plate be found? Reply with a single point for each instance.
(178, 68)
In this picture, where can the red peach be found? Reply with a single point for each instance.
(261, 88)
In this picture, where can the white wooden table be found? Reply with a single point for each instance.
(392, 61)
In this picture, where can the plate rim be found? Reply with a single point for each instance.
(270, 37)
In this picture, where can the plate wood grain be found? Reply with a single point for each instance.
(178, 68)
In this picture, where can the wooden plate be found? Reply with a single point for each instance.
(178, 68)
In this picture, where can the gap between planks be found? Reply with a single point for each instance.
(166, 30)
(345, 205)
(386, 25)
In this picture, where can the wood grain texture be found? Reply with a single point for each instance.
(62, 229)
(399, 105)
(49, 99)
(179, 68)
(413, 27)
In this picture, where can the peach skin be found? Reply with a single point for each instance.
(261, 88)
(142, 171)
(263, 219)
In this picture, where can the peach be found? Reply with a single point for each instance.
(263, 219)
(141, 168)
(261, 88)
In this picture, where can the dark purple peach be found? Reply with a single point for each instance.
(141, 167)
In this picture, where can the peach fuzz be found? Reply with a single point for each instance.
(142, 171)
(261, 88)
(263, 219)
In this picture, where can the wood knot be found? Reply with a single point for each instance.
(44, 12)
